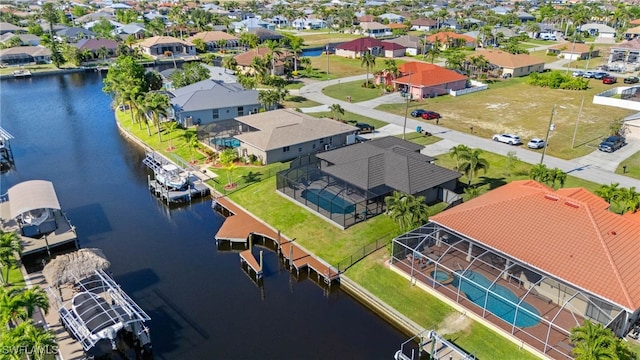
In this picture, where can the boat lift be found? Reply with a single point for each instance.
(6, 154)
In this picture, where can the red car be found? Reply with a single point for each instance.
(429, 115)
(609, 79)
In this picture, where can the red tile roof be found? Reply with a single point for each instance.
(366, 43)
(427, 74)
(566, 233)
(246, 58)
(442, 37)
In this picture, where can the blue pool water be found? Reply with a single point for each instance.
(476, 292)
(329, 201)
(312, 52)
(227, 142)
(440, 276)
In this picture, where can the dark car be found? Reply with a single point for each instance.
(599, 75)
(418, 112)
(612, 143)
(631, 80)
(430, 115)
(365, 128)
(609, 79)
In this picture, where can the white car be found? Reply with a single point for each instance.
(578, 73)
(507, 139)
(535, 143)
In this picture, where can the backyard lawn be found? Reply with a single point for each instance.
(354, 89)
(351, 118)
(340, 67)
(420, 139)
(296, 101)
(514, 106)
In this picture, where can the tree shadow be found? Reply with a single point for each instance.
(297, 98)
(252, 177)
(492, 182)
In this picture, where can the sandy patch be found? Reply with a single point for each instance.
(455, 322)
(497, 106)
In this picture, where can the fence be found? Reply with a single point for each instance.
(365, 251)
(475, 86)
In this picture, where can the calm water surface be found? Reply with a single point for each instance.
(202, 305)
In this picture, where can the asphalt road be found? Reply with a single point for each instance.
(597, 167)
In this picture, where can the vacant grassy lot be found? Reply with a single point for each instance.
(342, 67)
(542, 55)
(316, 40)
(633, 166)
(352, 118)
(354, 89)
(296, 101)
(517, 107)
(420, 139)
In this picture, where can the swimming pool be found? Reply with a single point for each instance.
(440, 276)
(474, 286)
(329, 201)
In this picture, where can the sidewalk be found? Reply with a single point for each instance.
(594, 168)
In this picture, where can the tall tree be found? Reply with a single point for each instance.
(227, 159)
(593, 342)
(50, 14)
(32, 298)
(156, 106)
(275, 52)
(190, 73)
(337, 110)
(10, 247)
(406, 210)
(368, 60)
(472, 163)
(458, 153)
(229, 62)
(608, 192)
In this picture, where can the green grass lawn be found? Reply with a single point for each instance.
(340, 67)
(540, 42)
(633, 166)
(354, 89)
(420, 139)
(313, 39)
(516, 107)
(351, 118)
(243, 175)
(297, 101)
(542, 55)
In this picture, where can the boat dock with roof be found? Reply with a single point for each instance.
(173, 183)
(242, 228)
(31, 209)
(6, 154)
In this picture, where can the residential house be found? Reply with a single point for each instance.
(245, 60)
(413, 45)
(266, 34)
(25, 39)
(158, 46)
(514, 65)
(279, 21)
(95, 16)
(348, 185)
(551, 277)
(136, 30)
(524, 16)
(104, 48)
(375, 29)
(599, 30)
(309, 24)
(449, 39)
(392, 18)
(251, 24)
(74, 34)
(398, 26)
(91, 24)
(632, 126)
(424, 24)
(573, 51)
(366, 18)
(210, 101)
(501, 10)
(628, 52)
(213, 39)
(24, 55)
(357, 47)
(6, 27)
(632, 33)
(423, 80)
(285, 134)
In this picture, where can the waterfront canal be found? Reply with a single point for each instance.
(202, 305)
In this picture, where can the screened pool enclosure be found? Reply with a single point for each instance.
(529, 304)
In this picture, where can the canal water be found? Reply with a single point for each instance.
(202, 304)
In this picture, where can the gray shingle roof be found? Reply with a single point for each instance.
(386, 163)
(286, 127)
(210, 94)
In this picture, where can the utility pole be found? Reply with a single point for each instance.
(575, 131)
(546, 139)
(406, 109)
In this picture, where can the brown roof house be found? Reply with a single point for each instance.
(514, 65)
(423, 24)
(286, 134)
(357, 47)
(628, 52)
(245, 60)
(573, 51)
(214, 39)
(375, 29)
(159, 46)
(530, 275)
(413, 45)
(423, 80)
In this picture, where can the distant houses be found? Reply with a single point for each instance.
(357, 47)
(513, 65)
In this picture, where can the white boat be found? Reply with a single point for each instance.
(169, 175)
(36, 217)
(22, 73)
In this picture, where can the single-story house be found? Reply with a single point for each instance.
(357, 47)
(166, 46)
(423, 80)
(245, 60)
(311, 24)
(573, 51)
(524, 16)
(210, 101)
(423, 24)
(251, 24)
(74, 34)
(349, 184)
(375, 29)
(6, 27)
(137, 30)
(601, 30)
(501, 10)
(213, 38)
(23, 55)
(25, 39)
(515, 65)
(541, 276)
(632, 33)
(632, 126)
(266, 34)
(449, 39)
(366, 18)
(412, 44)
(95, 46)
(628, 52)
(285, 134)
(392, 18)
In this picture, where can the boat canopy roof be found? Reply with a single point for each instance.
(32, 195)
(4, 134)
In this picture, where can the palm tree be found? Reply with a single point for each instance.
(191, 139)
(170, 126)
(156, 105)
(608, 192)
(227, 159)
(275, 51)
(32, 298)
(558, 175)
(392, 67)
(10, 246)
(434, 51)
(472, 163)
(458, 152)
(472, 191)
(337, 110)
(11, 308)
(629, 198)
(38, 341)
(295, 44)
(539, 172)
(368, 60)
(593, 342)
(406, 210)
(230, 63)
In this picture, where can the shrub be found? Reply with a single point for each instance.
(558, 80)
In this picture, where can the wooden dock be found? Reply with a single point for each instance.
(195, 190)
(246, 257)
(240, 227)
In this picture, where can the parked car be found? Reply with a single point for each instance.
(507, 139)
(430, 115)
(612, 143)
(535, 143)
(599, 75)
(418, 112)
(365, 128)
(578, 73)
(631, 80)
(609, 79)
(588, 74)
